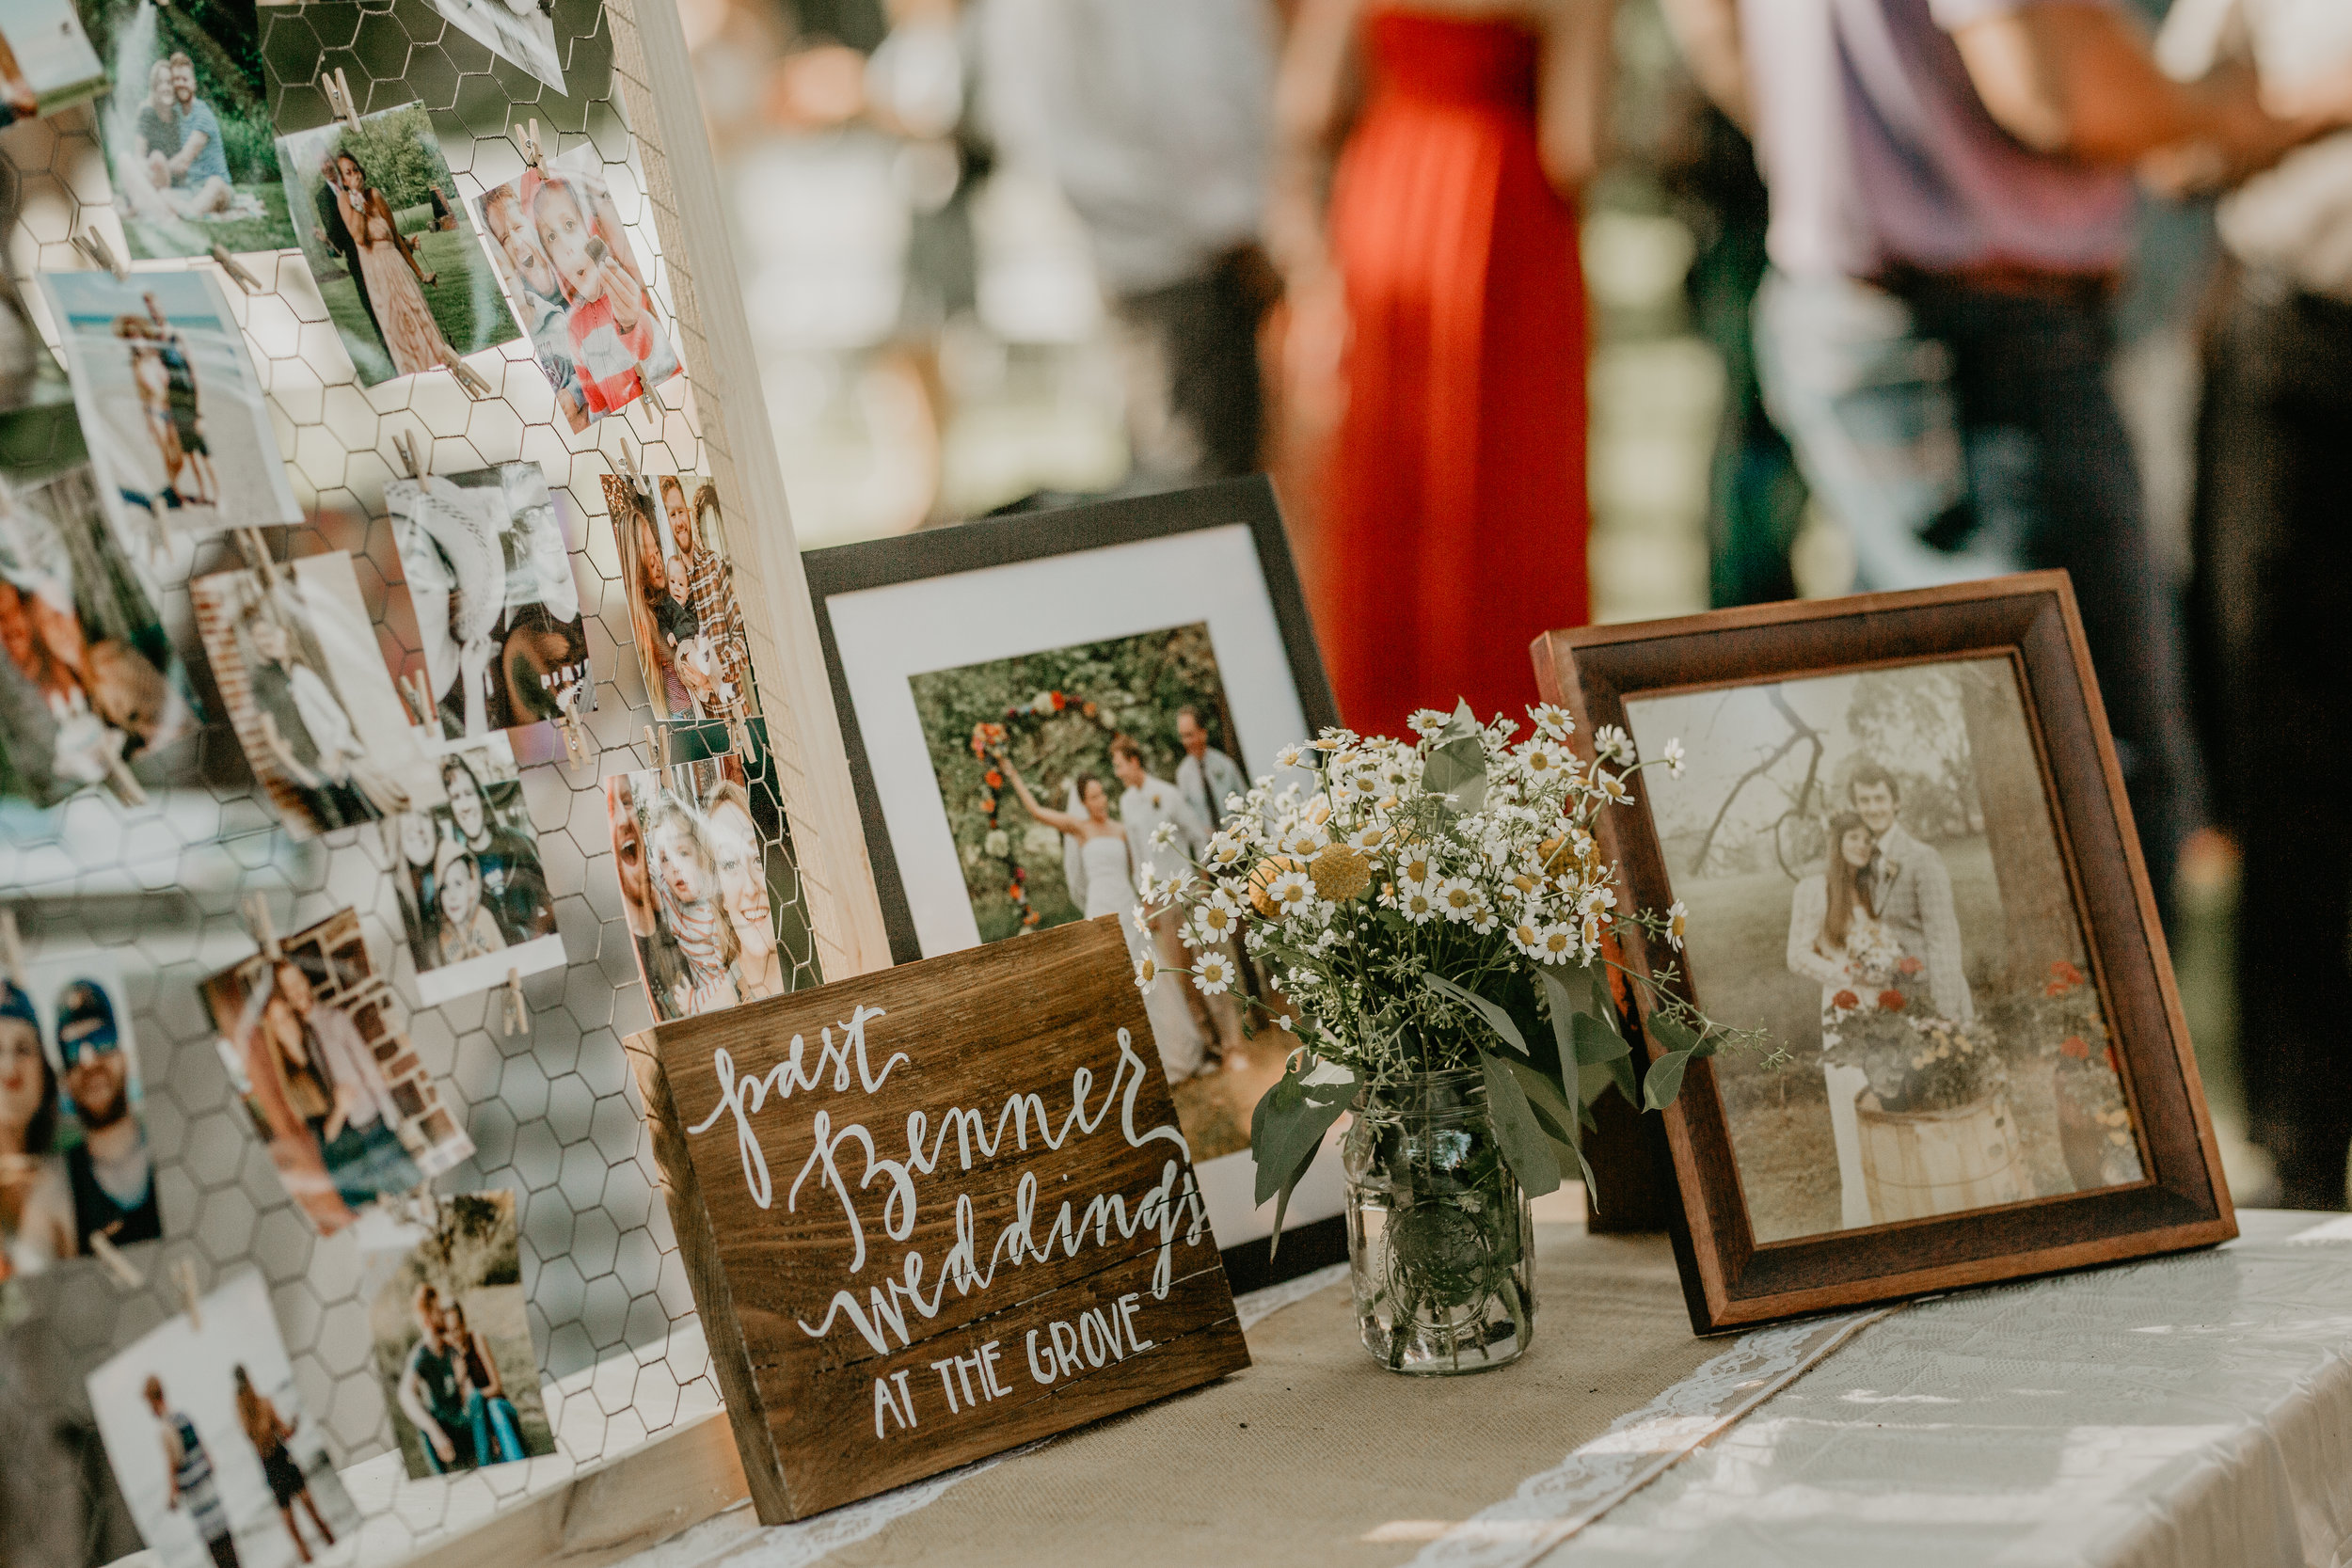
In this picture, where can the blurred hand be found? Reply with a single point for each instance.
(1315, 349)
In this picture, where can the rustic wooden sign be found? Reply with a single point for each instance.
(934, 1213)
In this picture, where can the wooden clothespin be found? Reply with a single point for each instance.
(257, 551)
(517, 1012)
(257, 921)
(527, 138)
(127, 789)
(92, 244)
(339, 98)
(235, 269)
(657, 745)
(11, 949)
(102, 1247)
(563, 687)
(418, 693)
(466, 376)
(183, 1274)
(654, 405)
(630, 470)
(415, 453)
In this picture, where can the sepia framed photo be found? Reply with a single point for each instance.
(1025, 700)
(1904, 850)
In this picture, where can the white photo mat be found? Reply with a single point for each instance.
(888, 635)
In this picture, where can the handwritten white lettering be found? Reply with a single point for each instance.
(1173, 1204)
(745, 1095)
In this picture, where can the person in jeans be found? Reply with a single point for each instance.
(1951, 207)
(2272, 584)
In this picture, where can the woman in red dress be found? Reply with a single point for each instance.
(1450, 529)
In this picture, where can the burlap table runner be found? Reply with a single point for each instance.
(1305, 1456)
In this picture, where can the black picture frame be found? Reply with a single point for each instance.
(1028, 536)
(1019, 538)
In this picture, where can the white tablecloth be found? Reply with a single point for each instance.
(2189, 1410)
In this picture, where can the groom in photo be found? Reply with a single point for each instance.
(1147, 802)
(336, 235)
(1911, 891)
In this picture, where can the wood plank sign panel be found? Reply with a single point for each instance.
(934, 1213)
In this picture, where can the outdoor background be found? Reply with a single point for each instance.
(1135, 685)
(1768, 767)
(475, 1255)
(403, 160)
(223, 45)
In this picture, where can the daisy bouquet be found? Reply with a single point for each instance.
(1431, 906)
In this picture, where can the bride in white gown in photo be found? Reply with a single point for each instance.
(1830, 920)
(1103, 881)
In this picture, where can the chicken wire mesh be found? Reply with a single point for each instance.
(156, 887)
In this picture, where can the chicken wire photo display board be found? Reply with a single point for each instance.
(552, 1112)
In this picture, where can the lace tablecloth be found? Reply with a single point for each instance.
(2190, 1411)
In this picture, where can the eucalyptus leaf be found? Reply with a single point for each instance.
(1664, 1080)
(1496, 1019)
(1547, 1100)
(1675, 1035)
(1596, 1043)
(1524, 1144)
(1457, 762)
(1286, 1131)
(1560, 1003)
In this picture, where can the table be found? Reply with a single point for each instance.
(2186, 1411)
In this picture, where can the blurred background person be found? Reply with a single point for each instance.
(2272, 575)
(1756, 497)
(1153, 121)
(1951, 214)
(1451, 525)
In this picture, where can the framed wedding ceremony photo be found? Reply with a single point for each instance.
(1025, 699)
(1904, 852)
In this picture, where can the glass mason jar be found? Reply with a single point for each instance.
(1440, 1243)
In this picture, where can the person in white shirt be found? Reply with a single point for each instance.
(1156, 120)
(1207, 776)
(1148, 803)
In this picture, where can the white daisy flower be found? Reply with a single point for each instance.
(1291, 892)
(1146, 973)
(1457, 898)
(1542, 759)
(1429, 721)
(1612, 785)
(1611, 742)
(1678, 924)
(1557, 945)
(1552, 721)
(1417, 903)
(1213, 975)
(1290, 756)
(1674, 758)
(1164, 836)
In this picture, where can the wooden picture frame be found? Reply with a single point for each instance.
(892, 612)
(1732, 1279)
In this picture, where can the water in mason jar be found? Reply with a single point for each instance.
(1443, 1283)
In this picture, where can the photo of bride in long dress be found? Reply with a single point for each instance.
(388, 264)
(1833, 933)
(1103, 883)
